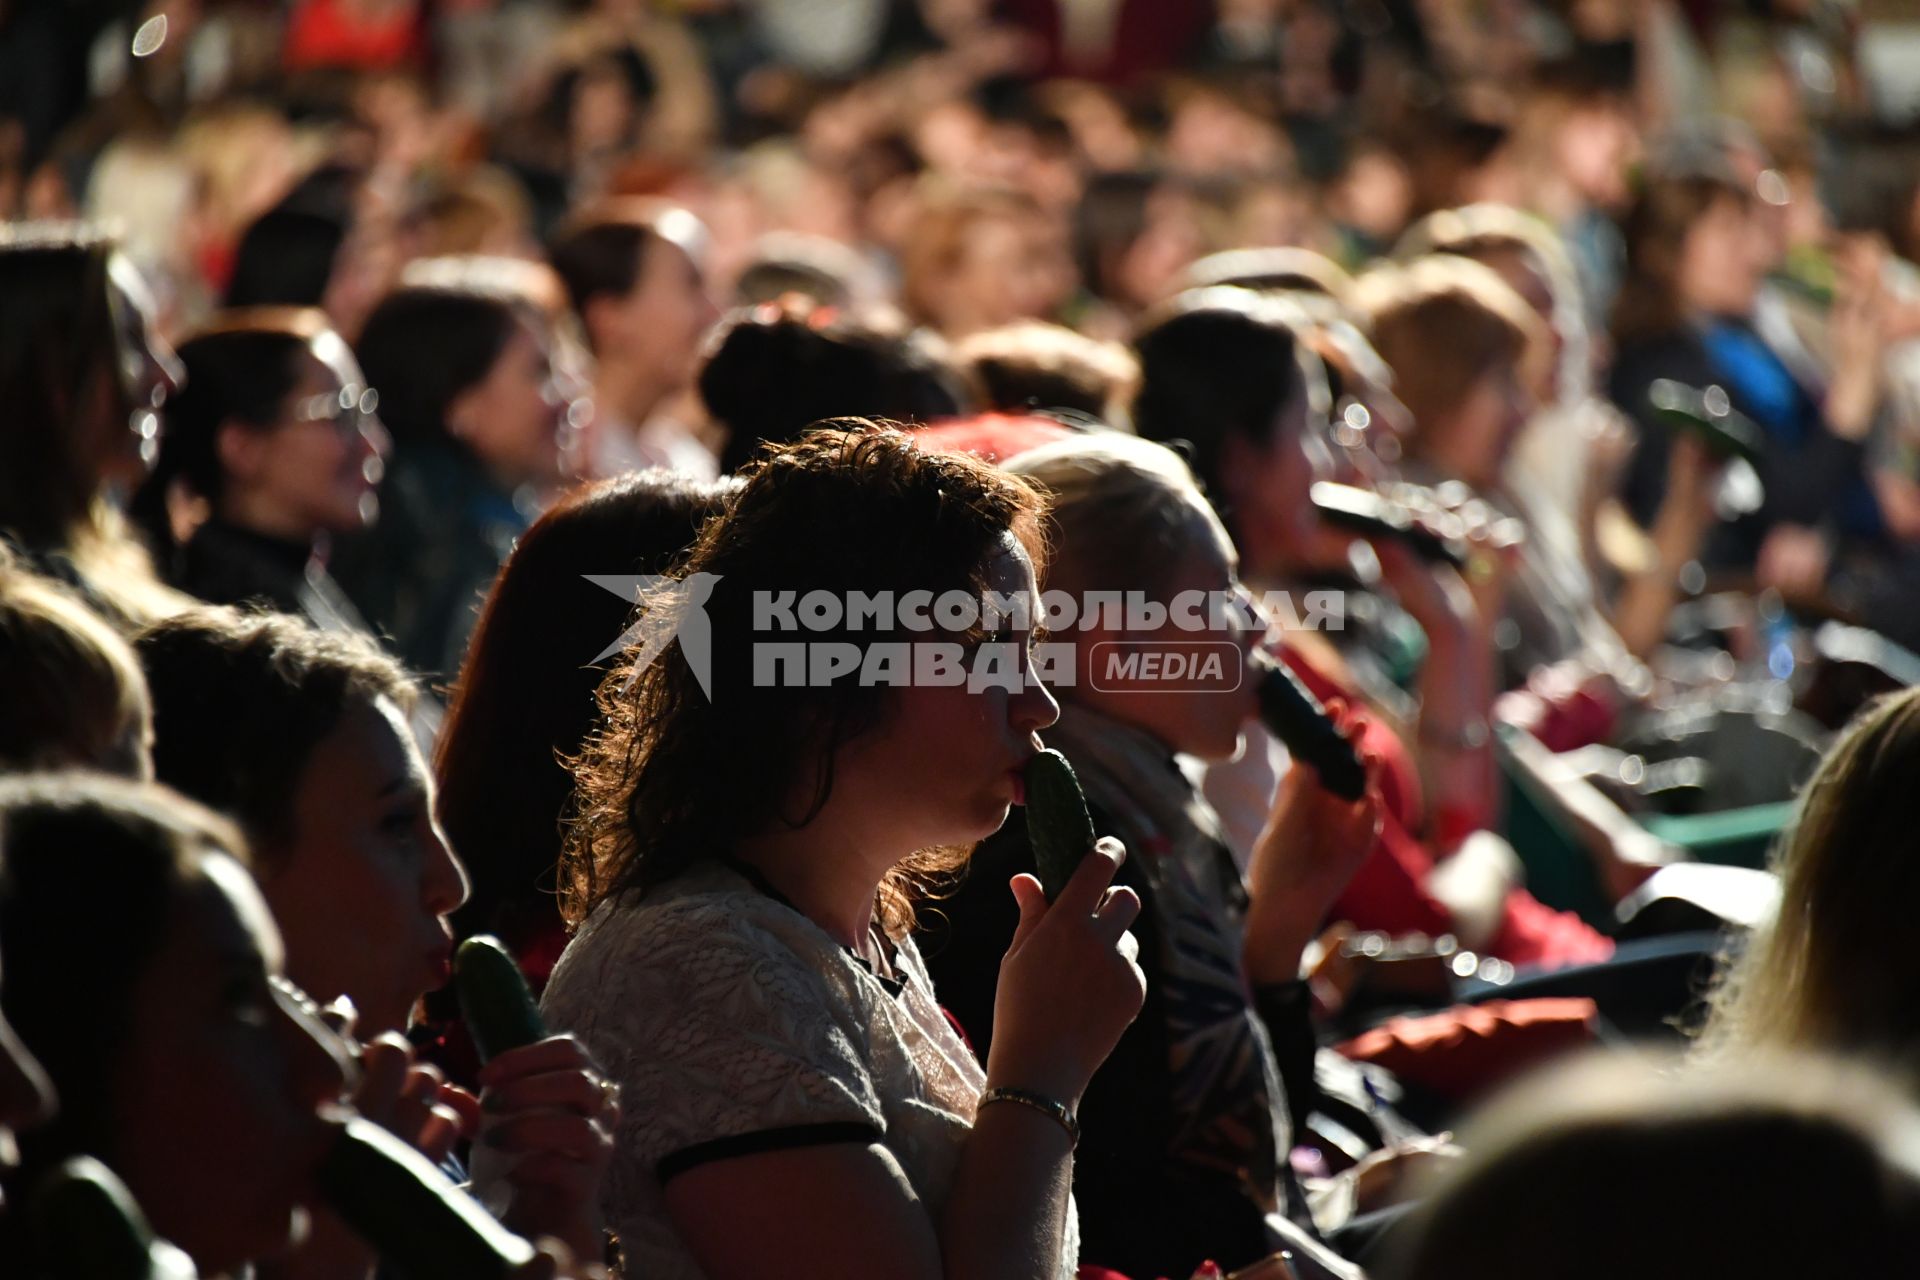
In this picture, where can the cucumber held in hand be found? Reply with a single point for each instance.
(1057, 821)
(1707, 412)
(410, 1213)
(1293, 715)
(494, 998)
(87, 1227)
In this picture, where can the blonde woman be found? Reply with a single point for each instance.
(1832, 973)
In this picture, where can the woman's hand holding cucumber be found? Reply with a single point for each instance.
(547, 1120)
(1069, 985)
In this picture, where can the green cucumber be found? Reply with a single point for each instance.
(1707, 413)
(87, 1227)
(1058, 825)
(494, 998)
(410, 1213)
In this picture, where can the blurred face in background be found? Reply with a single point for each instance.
(316, 468)
(511, 418)
(1726, 253)
(655, 330)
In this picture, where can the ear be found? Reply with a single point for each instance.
(241, 450)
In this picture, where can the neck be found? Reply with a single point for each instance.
(246, 511)
(630, 393)
(825, 871)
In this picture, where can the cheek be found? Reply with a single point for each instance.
(207, 1148)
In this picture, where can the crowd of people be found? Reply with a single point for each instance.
(459, 462)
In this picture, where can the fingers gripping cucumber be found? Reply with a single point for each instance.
(1058, 824)
(494, 998)
(86, 1227)
(412, 1214)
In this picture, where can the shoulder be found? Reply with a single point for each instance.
(705, 944)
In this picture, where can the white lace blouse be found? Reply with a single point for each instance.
(734, 1024)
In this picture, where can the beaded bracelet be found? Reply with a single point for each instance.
(1058, 1112)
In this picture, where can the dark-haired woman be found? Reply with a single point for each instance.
(525, 702)
(467, 390)
(1698, 252)
(776, 368)
(208, 1083)
(274, 436)
(743, 877)
(82, 372)
(196, 1074)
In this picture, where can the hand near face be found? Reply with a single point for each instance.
(1069, 985)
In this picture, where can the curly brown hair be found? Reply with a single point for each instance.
(674, 777)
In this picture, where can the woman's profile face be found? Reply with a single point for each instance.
(1200, 713)
(215, 1106)
(364, 888)
(944, 765)
(511, 418)
(316, 468)
(1722, 259)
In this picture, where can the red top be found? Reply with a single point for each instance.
(1390, 893)
(996, 437)
(335, 33)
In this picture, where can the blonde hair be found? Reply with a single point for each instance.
(71, 690)
(1616, 1166)
(1442, 323)
(1832, 972)
(1122, 511)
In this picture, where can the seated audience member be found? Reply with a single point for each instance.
(772, 371)
(524, 702)
(980, 259)
(1697, 253)
(194, 1073)
(1189, 1126)
(1031, 365)
(71, 692)
(744, 875)
(314, 759)
(1773, 1169)
(1223, 370)
(824, 272)
(1821, 976)
(467, 390)
(82, 371)
(275, 442)
(634, 272)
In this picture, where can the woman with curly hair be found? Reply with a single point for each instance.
(742, 875)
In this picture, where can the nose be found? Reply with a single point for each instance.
(1033, 708)
(443, 885)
